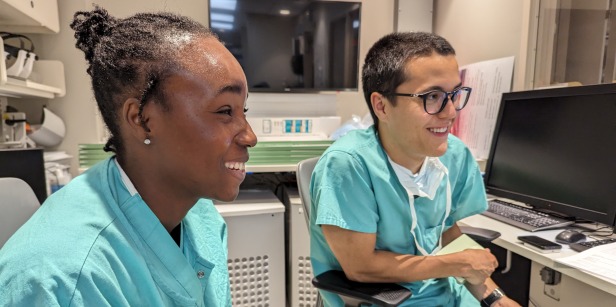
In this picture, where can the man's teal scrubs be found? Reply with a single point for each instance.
(96, 243)
(355, 187)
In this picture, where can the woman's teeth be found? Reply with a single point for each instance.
(235, 165)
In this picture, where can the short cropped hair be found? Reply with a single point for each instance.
(384, 67)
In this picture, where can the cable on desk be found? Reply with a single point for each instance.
(599, 231)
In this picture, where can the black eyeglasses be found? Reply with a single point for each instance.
(435, 100)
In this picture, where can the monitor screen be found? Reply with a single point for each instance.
(555, 149)
(291, 45)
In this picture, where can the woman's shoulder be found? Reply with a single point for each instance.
(55, 243)
(51, 259)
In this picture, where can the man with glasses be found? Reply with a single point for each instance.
(386, 199)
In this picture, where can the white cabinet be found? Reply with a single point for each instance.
(44, 78)
(45, 81)
(566, 292)
(29, 16)
(301, 291)
(256, 260)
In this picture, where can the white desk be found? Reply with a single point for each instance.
(578, 288)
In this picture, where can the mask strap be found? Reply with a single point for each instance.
(414, 217)
(447, 211)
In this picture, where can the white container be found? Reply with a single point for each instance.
(51, 131)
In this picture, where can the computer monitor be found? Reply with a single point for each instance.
(555, 149)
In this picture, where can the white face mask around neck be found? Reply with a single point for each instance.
(424, 184)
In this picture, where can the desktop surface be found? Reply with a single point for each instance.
(509, 241)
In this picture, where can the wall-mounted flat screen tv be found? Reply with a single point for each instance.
(291, 45)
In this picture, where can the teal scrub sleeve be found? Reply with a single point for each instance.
(342, 193)
(468, 195)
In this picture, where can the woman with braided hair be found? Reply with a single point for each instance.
(139, 229)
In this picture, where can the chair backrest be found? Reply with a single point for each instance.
(17, 204)
(304, 173)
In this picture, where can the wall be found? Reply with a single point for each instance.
(478, 29)
(483, 30)
(377, 19)
(78, 108)
(586, 41)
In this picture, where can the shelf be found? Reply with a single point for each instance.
(45, 81)
(265, 157)
(271, 168)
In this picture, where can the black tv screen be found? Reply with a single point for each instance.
(555, 149)
(290, 45)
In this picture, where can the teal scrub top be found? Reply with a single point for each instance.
(354, 187)
(92, 243)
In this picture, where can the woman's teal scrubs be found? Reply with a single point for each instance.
(96, 243)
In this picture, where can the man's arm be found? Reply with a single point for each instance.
(480, 290)
(361, 262)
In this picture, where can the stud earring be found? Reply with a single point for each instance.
(147, 141)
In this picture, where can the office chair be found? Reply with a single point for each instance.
(356, 293)
(17, 204)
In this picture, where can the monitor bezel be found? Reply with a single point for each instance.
(609, 218)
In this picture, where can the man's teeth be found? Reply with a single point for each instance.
(438, 130)
(235, 165)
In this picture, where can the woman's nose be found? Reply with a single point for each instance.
(247, 137)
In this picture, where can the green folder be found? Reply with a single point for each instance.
(461, 243)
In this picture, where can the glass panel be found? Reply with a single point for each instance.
(573, 45)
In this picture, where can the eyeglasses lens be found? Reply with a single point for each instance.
(435, 101)
(460, 99)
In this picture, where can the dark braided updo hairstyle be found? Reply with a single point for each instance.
(130, 57)
(384, 67)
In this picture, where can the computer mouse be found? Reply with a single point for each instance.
(570, 236)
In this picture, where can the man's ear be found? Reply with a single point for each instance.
(380, 105)
(131, 120)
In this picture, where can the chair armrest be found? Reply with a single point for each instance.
(480, 234)
(381, 294)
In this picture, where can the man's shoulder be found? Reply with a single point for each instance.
(455, 144)
(360, 142)
(457, 152)
(358, 153)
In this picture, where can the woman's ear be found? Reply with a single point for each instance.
(134, 123)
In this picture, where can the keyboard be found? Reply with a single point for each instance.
(521, 217)
(582, 246)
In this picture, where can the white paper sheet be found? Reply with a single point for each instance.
(475, 123)
(599, 260)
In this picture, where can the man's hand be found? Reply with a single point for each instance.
(479, 265)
